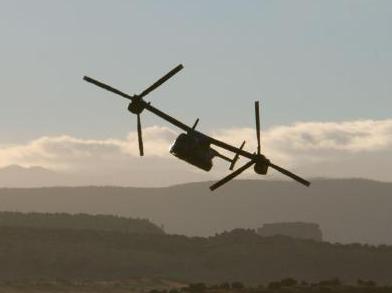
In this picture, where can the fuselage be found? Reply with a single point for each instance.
(193, 149)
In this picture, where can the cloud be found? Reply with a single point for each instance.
(318, 141)
(67, 152)
(354, 136)
(301, 146)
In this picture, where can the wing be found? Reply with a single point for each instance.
(187, 128)
(167, 117)
(228, 147)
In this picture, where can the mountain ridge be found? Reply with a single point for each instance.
(347, 210)
(50, 254)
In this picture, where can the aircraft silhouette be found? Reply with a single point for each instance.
(193, 146)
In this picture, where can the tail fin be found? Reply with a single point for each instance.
(236, 157)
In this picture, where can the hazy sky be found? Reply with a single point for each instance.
(310, 61)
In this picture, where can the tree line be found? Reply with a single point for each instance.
(79, 222)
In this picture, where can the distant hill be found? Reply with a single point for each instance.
(15, 176)
(347, 210)
(295, 229)
(241, 255)
(79, 222)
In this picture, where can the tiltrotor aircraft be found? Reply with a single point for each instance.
(193, 146)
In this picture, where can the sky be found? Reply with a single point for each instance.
(321, 70)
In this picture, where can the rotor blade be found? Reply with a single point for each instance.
(107, 87)
(236, 157)
(292, 175)
(139, 135)
(257, 112)
(161, 80)
(231, 175)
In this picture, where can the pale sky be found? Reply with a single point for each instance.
(309, 61)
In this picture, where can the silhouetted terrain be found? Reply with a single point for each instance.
(347, 210)
(79, 222)
(10, 176)
(299, 230)
(62, 286)
(44, 254)
(287, 285)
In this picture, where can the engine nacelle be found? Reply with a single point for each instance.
(261, 167)
(135, 108)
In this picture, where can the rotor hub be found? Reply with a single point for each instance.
(136, 107)
(261, 164)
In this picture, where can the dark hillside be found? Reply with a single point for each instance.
(347, 210)
(79, 222)
(30, 253)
